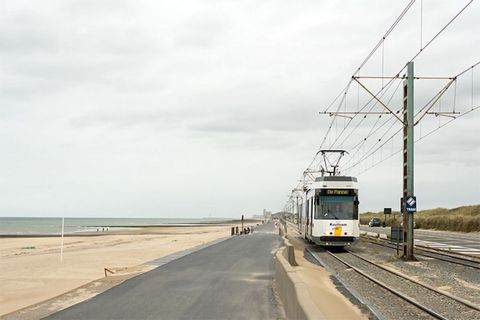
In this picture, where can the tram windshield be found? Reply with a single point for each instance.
(336, 208)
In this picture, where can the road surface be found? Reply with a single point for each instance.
(228, 280)
(465, 243)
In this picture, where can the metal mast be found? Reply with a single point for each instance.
(408, 162)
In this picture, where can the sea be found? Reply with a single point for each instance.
(53, 226)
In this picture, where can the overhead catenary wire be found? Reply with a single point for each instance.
(432, 102)
(421, 24)
(420, 139)
(383, 61)
(367, 58)
(344, 92)
(369, 152)
(356, 150)
(429, 104)
(384, 37)
(442, 29)
(358, 112)
(427, 107)
(373, 130)
(388, 83)
(423, 47)
(455, 96)
(447, 122)
(472, 88)
(333, 119)
(432, 40)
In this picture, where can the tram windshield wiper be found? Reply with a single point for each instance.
(330, 213)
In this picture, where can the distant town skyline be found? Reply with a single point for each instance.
(210, 109)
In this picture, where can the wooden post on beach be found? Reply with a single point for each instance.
(242, 223)
(61, 247)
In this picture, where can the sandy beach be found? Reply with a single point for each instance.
(31, 270)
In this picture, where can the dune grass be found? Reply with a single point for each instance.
(465, 219)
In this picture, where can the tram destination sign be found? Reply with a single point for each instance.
(337, 192)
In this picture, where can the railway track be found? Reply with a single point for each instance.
(471, 262)
(436, 303)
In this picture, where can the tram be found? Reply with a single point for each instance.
(329, 214)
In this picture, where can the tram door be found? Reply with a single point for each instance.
(312, 207)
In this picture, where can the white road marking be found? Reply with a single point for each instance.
(448, 247)
(446, 241)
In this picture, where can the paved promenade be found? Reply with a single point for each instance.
(228, 280)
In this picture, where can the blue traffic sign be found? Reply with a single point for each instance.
(411, 204)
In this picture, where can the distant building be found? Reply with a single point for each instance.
(267, 214)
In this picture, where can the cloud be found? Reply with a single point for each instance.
(129, 99)
(120, 120)
(202, 30)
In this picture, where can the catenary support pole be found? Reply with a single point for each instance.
(408, 161)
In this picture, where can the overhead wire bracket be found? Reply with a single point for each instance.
(378, 100)
(444, 114)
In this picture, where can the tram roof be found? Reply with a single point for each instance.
(335, 178)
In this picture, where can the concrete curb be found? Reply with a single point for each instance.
(372, 234)
(292, 291)
(289, 253)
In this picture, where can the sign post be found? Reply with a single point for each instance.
(385, 212)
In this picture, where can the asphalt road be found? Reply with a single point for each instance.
(228, 280)
(466, 243)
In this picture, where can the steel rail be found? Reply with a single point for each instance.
(456, 255)
(436, 254)
(386, 287)
(439, 255)
(446, 294)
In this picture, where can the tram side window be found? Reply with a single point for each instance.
(355, 211)
(355, 207)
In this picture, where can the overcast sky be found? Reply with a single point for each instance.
(210, 108)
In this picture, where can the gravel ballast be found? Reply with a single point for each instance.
(460, 281)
